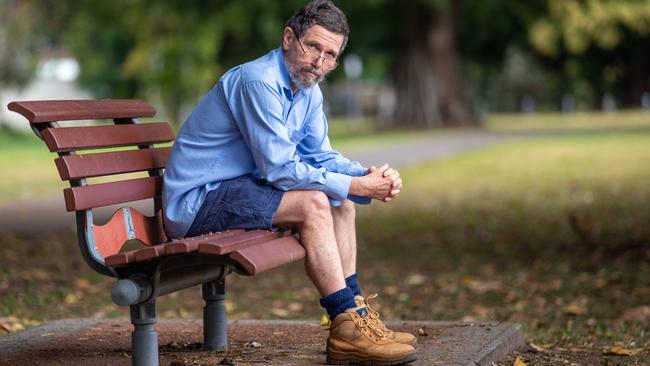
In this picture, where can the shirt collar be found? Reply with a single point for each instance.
(284, 77)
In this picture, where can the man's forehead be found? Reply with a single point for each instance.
(324, 37)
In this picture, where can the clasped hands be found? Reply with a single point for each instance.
(383, 183)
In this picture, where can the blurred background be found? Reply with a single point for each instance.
(522, 131)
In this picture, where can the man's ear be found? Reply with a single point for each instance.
(287, 35)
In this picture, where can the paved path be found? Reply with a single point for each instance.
(107, 342)
(48, 213)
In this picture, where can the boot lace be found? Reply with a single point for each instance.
(368, 324)
(374, 314)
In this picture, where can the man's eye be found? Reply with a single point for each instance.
(313, 48)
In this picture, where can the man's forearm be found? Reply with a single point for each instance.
(357, 187)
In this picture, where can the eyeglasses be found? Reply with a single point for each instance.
(328, 61)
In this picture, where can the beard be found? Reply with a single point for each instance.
(305, 77)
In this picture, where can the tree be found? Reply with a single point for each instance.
(604, 43)
(172, 51)
(18, 45)
(418, 40)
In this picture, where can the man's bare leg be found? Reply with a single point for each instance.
(346, 235)
(309, 213)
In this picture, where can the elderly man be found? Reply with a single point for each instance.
(255, 154)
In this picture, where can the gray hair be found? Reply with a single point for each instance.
(323, 13)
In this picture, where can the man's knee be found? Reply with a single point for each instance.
(346, 210)
(316, 206)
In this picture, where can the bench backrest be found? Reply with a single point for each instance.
(126, 147)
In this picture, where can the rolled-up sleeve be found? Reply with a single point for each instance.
(261, 124)
(316, 149)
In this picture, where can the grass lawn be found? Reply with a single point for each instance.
(550, 232)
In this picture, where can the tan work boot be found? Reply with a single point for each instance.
(355, 339)
(399, 337)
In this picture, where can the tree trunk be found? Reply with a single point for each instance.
(430, 90)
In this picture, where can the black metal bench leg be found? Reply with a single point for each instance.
(144, 341)
(214, 316)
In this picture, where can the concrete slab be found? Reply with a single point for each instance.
(107, 342)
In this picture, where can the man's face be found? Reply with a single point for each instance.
(309, 67)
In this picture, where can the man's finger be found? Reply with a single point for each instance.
(394, 192)
(388, 172)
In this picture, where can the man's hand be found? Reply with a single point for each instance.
(381, 183)
(393, 174)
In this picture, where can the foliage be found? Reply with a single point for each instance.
(599, 42)
(18, 22)
(574, 25)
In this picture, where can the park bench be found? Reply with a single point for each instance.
(161, 266)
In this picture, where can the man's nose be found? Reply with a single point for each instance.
(317, 62)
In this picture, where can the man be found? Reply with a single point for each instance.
(254, 154)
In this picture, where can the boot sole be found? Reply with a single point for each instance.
(356, 361)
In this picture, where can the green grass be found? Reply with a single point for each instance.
(558, 121)
(32, 174)
(28, 167)
(549, 232)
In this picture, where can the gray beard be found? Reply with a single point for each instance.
(305, 82)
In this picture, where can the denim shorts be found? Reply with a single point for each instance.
(240, 203)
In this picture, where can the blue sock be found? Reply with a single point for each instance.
(338, 302)
(353, 284)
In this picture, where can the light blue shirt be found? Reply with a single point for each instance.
(252, 123)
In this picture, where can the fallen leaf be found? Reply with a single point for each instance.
(253, 344)
(12, 324)
(480, 286)
(480, 311)
(619, 351)
(638, 314)
(324, 320)
(283, 313)
(391, 290)
(71, 299)
(519, 362)
(82, 283)
(574, 309)
(415, 279)
(295, 306)
(537, 348)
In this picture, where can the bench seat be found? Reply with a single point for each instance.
(254, 251)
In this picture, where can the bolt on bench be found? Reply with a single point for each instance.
(162, 266)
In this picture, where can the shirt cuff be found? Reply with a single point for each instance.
(357, 170)
(337, 185)
(359, 199)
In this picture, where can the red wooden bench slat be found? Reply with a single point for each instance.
(232, 239)
(68, 110)
(104, 194)
(124, 258)
(192, 244)
(268, 255)
(221, 246)
(146, 254)
(95, 137)
(120, 259)
(114, 162)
